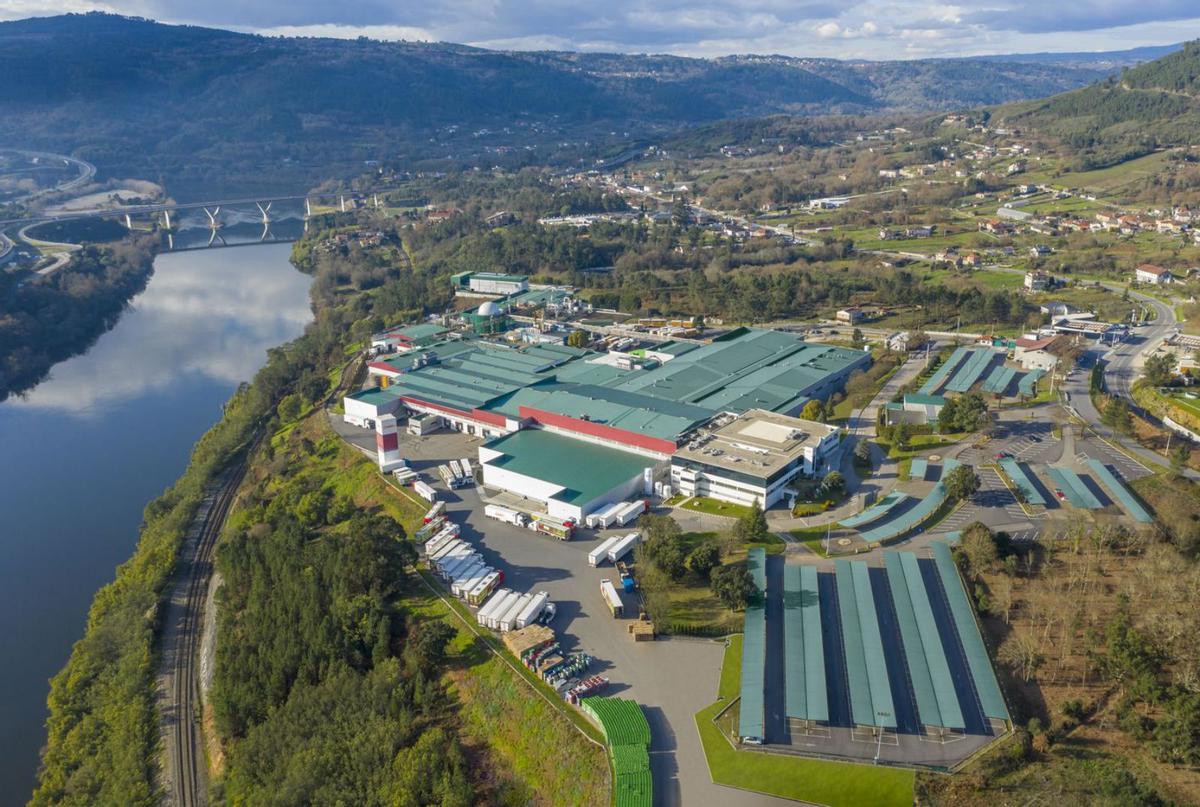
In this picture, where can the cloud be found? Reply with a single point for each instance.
(878, 29)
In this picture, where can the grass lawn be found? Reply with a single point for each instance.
(919, 443)
(533, 753)
(790, 777)
(1189, 405)
(713, 507)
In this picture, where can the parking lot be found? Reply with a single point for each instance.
(671, 678)
(906, 745)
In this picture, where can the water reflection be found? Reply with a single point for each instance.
(82, 454)
(212, 315)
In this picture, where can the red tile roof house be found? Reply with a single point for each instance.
(1149, 273)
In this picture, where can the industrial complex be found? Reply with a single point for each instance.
(572, 430)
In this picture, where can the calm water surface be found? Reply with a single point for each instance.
(85, 451)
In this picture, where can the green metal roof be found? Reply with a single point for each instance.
(1017, 474)
(982, 674)
(1074, 489)
(374, 396)
(805, 696)
(423, 330)
(751, 719)
(1122, 494)
(928, 670)
(876, 511)
(965, 378)
(921, 399)
(915, 516)
(940, 375)
(1027, 382)
(866, 668)
(586, 471)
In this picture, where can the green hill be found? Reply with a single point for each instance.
(1150, 106)
(197, 108)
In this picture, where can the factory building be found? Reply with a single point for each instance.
(488, 284)
(753, 456)
(588, 410)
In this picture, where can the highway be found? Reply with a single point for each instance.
(179, 683)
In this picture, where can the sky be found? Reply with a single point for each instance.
(860, 29)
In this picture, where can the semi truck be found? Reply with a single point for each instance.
(508, 516)
(560, 529)
(611, 598)
(623, 546)
(426, 492)
(597, 555)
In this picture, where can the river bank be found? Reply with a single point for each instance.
(87, 448)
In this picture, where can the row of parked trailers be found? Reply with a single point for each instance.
(616, 515)
(510, 610)
(613, 548)
(456, 562)
(457, 473)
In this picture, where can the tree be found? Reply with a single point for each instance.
(428, 643)
(289, 408)
(961, 483)
(813, 410)
(833, 485)
(752, 527)
(704, 558)
(1116, 416)
(856, 337)
(733, 586)
(1180, 455)
(577, 339)
(978, 546)
(1159, 368)
(672, 557)
(862, 452)
(901, 434)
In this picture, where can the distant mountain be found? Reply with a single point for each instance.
(194, 107)
(1146, 107)
(1109, 60)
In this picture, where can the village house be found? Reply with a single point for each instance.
(1149, 273)
(1036, 281)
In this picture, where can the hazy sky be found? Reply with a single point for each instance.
(876, 29)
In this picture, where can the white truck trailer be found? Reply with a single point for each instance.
(468, 472)
(597, 555)
(602, 519)
(505, 514)
(466, 578)
(502, 606)
(445, 562)
(437, 542)
(492, 603)
(532, 611)
(451, 569)
(446, 549)
(623, 546)
(629, 512)
(423, 490)
(506, 622)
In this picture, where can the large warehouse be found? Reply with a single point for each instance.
(644, 408)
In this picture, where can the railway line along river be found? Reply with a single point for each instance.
(82, 454)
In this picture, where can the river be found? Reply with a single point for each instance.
(107, 432)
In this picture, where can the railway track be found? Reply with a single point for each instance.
(186, 758)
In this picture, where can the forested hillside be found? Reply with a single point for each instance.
(1147, 107)
(195, 107)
